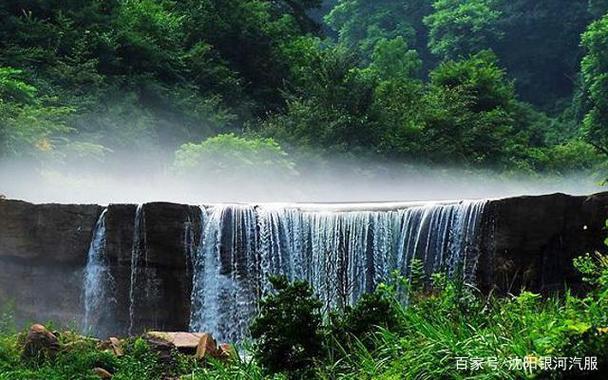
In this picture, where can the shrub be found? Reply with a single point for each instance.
(373, 310)
(288, 329)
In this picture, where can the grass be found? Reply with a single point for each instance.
(454, 321)
(441, 324)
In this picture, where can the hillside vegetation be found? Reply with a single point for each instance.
(514, 86)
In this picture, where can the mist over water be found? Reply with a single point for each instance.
(139, 181)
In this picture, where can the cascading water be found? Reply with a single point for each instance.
(224, 269)
(138, 263)
(341, 253)
(98, 281)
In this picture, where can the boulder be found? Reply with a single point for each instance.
(163, 348)
(113, 345)
(116, 346)
(228, 351)
(184, 342)
(102, 373)
(40, 344)
(201, 345)
(207, 348)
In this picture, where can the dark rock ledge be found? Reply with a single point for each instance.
(526, 241)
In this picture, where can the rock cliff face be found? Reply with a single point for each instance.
(531, 241)
(43, 249)
(164, 279)
(526, 241)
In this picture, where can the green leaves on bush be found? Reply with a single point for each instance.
(288, 329)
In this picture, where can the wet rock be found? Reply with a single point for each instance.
(40, 344)
(102, 373)
(168, 268)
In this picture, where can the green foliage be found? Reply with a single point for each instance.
(12, 88)
(80, 355)
(594, 269)
(28, 122)
(75, 362)
(288, 329)
(541, 49)
(372, 311)
(362, 24)
(458, 28)
(89, 81)
(151, 74)
(478, 78)
(148, 35)
(393, 60)
(233, 158)
(451, 320)
(595, 76)
(139, 362)
(7, 322)
(330, 108)
(377, 337)
(470, 114)
(572, 156)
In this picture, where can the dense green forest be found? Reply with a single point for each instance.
(517, 86)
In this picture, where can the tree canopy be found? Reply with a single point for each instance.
(515, 86)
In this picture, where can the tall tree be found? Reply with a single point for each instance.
(458, 28)
(29, 125)
(361, 24)
(469, 116)
(541, 48)
(595, 76)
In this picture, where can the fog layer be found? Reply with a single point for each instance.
(333, 182)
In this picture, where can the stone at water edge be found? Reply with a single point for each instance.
(102, 373)
(228, 351)
(40, 344)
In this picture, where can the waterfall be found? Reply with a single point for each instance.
(138, 263)
(341, 253)
(224, 269)
(98, 281)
